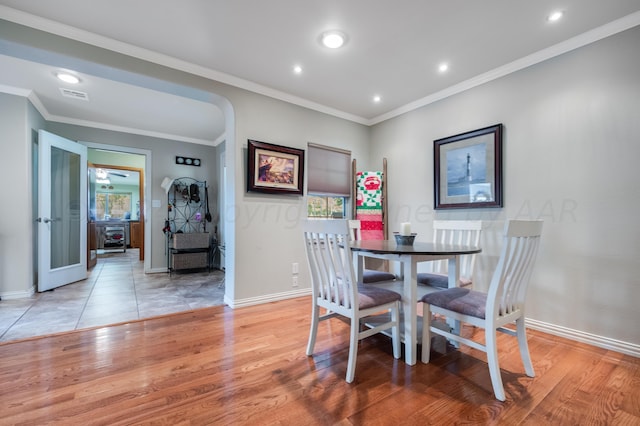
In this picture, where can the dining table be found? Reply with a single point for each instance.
(409, 256)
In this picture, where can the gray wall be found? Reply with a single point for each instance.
(262, 232)
(570, 158)
(16, 229)
(19, 123)
(163, 154)
(267, 227)
(571, 125)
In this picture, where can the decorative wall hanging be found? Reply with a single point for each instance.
(188, 161)
(274, 169)
(468, 169)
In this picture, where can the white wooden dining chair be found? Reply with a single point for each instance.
(335, 288)
(369, 276)
(503, 304)
(460, 232)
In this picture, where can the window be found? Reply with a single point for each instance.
(326, 206)
(112, 205)
(328, 181)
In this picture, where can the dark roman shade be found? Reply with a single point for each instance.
(329, 171)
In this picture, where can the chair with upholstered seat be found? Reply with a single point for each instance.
(369, 276)
(335, 288)
(503, 304)
(459, 232)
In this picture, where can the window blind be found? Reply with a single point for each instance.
(329, 171)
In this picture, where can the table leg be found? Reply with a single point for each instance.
(453, 270)
(358, 266)
(410, 309)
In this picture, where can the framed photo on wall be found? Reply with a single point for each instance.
(468, 169)
(274, 169)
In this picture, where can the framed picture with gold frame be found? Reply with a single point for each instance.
(274, 169)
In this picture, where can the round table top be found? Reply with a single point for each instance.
(420, 248)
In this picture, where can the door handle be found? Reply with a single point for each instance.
(47, 220)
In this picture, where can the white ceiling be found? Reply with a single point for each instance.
(393, 50)
(113, 105)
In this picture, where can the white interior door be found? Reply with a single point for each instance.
(62, 211)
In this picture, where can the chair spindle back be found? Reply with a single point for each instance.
(458, 232)
(334, 285)
(508, 287)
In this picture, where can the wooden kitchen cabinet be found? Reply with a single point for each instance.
(135, 230)
(92, 245)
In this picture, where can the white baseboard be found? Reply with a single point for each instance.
(556, 330)
(266, 298)
(583, 337)
(8, 295)
(156, 271)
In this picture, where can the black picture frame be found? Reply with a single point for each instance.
(274, 169)
(468, 169)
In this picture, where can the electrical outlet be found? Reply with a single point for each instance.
(294, 268)
(294, 281)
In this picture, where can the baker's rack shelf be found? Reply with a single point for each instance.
(189, 244)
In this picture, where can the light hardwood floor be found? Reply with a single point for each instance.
(248, 366)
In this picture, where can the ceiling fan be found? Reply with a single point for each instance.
(104, 173)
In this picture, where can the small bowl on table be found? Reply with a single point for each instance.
(404, 240)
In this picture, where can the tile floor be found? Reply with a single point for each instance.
(117, 290)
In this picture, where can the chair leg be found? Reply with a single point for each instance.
(524, 347)
(313, 332)
(492, 360)
(353, 349)
(395, 330)
(426, 333)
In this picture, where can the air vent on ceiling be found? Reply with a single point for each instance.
(75, 94)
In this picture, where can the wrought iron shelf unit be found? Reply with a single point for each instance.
(188, 242)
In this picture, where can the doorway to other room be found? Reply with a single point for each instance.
(116, 203)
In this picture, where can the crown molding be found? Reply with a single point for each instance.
(576, 42)
(67, 31)
(87, 37)
(35, 101)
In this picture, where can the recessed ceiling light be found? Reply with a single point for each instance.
(333, 39)
(555, 16)
(377, 98)
(297, 69)
(443, 67)
(68, 78)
